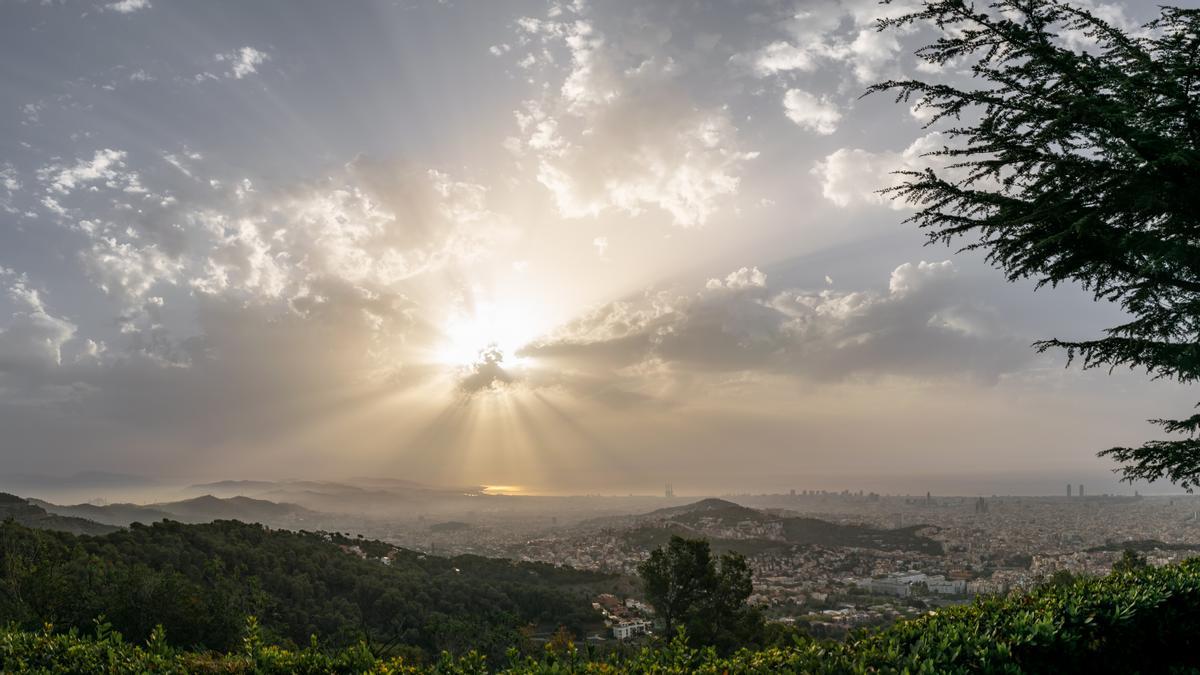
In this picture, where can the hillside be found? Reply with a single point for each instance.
(1145, 621)
(202, 509)
(712, 508)
(201, 581)
(731, 526)
(374, 496)
(32, 515)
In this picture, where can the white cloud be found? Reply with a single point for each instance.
(32, 338)
(243, 62)
(849, 176)
(811, 112)
(618, 130)
(128, 269)
(838, 37)
(909, 278)
(746, 277)
(127, 6)
(106, 167)
(9, 184)
(780, 56)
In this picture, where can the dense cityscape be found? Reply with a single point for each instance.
(988, 545)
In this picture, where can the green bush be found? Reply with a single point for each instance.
(1144, 620)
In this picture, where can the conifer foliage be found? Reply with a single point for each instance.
(1073, 155)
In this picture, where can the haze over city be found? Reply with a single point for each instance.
(550, 247)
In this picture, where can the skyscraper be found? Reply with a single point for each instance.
(1081, 489)
(1068, 490)
(670, 491)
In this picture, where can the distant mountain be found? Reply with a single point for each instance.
(731, 526)
(203, 509)
(31, 515)
(208, 508)
(120, 515)
(236, 487)
(359, 496)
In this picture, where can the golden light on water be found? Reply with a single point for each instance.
(503, 489)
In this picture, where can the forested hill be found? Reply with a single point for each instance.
(21, 511)
(203, 509)
(735, 527)
(200, 582)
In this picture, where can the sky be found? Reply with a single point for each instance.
(575, 247)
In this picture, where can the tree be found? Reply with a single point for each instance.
(676, 578)
(1130, 561)
(689, 587)
(1079, 165)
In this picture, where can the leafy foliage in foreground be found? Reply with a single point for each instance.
(1146, 620)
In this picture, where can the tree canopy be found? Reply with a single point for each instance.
(200, 582)
(1073, 155)
(706, 595)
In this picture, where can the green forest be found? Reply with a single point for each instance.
(199, 583)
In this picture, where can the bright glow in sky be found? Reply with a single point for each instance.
(567, 246)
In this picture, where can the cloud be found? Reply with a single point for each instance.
(243, 62)
(925, 326)
(811, 112)
(486, 373)
(37, 347)
(106, 167)
(31, 339)
(617, 128)
(10, 184)
(362, 236)
(855, 176)
(828, 36)
(127, 6)
(780, 56)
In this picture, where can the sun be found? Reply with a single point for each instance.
(491, 329)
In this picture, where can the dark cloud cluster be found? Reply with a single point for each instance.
(925, 325)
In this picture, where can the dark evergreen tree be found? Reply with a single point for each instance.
(1130, 561)
(1075, 165)
(707, 596)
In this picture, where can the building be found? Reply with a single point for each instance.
(1081, 489)
(1068, 490)
(670, 491)
(943, 586)
(628, 629)
(638, 606)
(903, 585)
